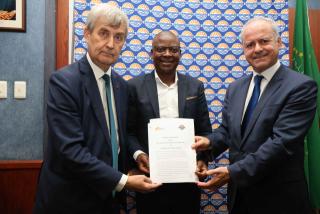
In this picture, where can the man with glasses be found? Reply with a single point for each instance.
(166, 94)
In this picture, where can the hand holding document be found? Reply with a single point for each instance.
(170, 155)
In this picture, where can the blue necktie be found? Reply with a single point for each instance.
(252, 103)
(112, 125)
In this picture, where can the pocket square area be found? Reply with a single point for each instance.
(191, 98)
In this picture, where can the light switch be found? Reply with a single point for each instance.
(20, 89)
(3, 89)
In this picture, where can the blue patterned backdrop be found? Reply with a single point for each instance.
(211, 50)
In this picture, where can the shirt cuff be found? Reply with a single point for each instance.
(137, 153)
(121, 183)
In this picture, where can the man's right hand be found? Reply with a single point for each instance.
(143, 163)
(201, 144)
(141, 183)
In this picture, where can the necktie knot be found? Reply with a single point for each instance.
(106, 78)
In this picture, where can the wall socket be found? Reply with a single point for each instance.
(20, 89)
(3, 89)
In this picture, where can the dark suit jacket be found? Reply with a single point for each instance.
(267, 161)
(77, 174)
(143, 106)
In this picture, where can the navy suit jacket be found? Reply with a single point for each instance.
(266, 161)
(77, 174)
(143, 106)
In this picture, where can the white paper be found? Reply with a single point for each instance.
(171, 158)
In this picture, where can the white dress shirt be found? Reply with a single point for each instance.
(168, 102)
(267, 76)
(98, 73)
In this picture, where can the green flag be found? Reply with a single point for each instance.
(304, 61)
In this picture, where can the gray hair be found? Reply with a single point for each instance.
(112, 14)
(273, 24)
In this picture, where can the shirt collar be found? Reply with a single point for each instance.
(268, 73)
(160, 81)
(98, 72)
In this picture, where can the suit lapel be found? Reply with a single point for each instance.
(271, 88)
(92, 89)
(151, 85)
(182, 93)
(241, 99)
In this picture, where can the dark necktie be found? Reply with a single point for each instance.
(252, 103)
(112, 125)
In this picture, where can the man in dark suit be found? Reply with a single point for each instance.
(87, 118)
(166, 94)
(264, 122)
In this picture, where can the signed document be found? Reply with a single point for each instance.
(171, 158)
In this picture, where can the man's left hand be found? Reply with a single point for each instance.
(220, 176)
(201, 170)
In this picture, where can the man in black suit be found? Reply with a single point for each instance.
(166, 94)
(87, 118)
(265, 118)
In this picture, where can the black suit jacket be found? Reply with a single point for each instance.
(267, 161)
(77, 174)
(143, 106)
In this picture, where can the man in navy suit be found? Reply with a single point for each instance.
(264, 131)
(166, 94)
(87, 118)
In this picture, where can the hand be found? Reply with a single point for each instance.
(143, 163)
(135, 172)
(201, 143)
(220, 176)
(140, 183)
(201, 170)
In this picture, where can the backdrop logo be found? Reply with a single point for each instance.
(222, 4)
(194, 4)
(208, 71)
(165, 3)
(236, 49)
(127, 56)
(201, 36)
(230, 14)
(223, 48)
(186, 36)
(279, 4)
(201, 59)
(208, 25)
(179, 3)
(194, 48)
(217, 199)
(120, 68)
(208, 4)
(215, 60)
(179, 24)
(223, 71)
(165, 23)
(148, 68)
(194, 71)
(135, 21)
(194, 25)
(209, 94)
(172, 12)
(228, 81)
(181, 69)
(151, 2)
(237, 72)
(79, 53)
(201, 14)
(215, 14)
(143, 34)
(151, 22)
(128, 8)
(208, 48)
(216, 106)
(236, 26)
(215, 83)
(79, 28)
(80, 4)
(230, 60)
(135, 69)
(143, 57)
(244, 15)
(259, 12)
(186, 13)
(266, 4)
(157, 11)
(216, 37)
(242, 61)
(284, 14)
(84, 16)
(135, 45)
(223, 26)
(252, 4)
(237, 4)
(230, 37)
(130, 33)
(143, 10)
(187, 59)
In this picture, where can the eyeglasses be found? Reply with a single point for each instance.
(161, 49)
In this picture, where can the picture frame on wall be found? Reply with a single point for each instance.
(13, 15)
